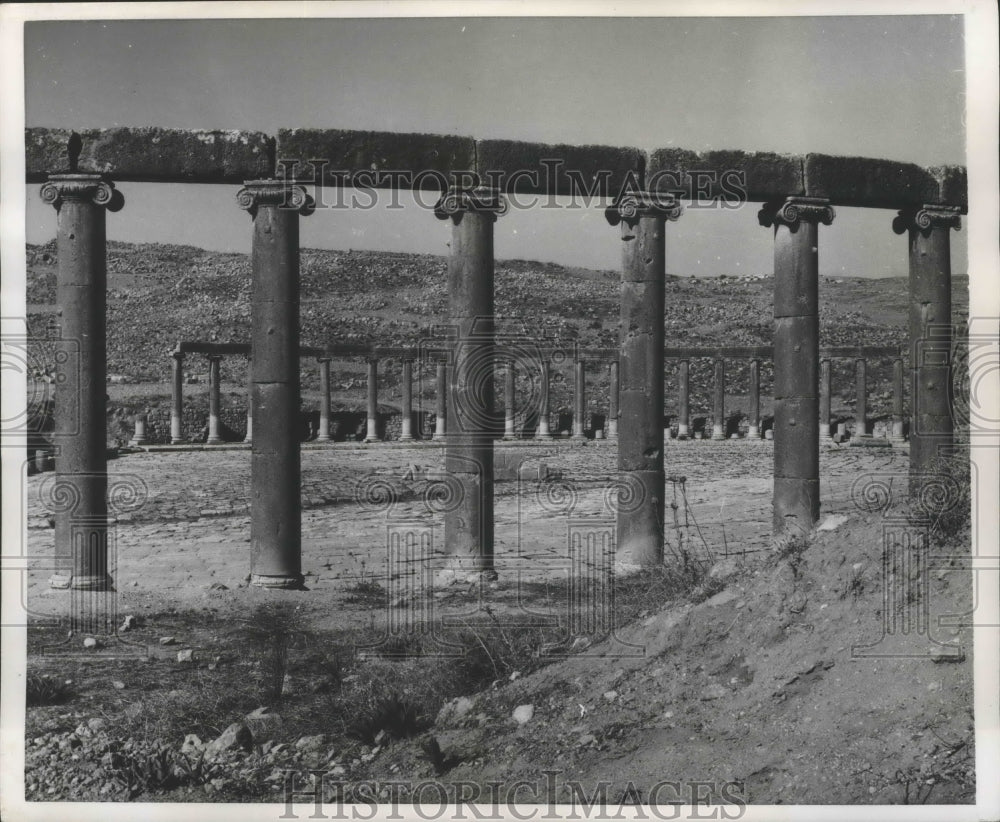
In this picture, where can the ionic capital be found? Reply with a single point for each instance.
(635, 204)
(926, 218)
(456, 201)
(795, 210)
(274, 194)
(81, 188)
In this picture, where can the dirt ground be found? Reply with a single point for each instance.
(815, 672)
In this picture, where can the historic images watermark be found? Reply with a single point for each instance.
(549, 185)
(329, 797)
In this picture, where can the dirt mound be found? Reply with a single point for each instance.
(780, 682)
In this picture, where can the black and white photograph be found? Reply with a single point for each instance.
(493, 410)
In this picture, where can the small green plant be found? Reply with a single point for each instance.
(388, 714)
(272, 627)
(367, 590)
(41, 689)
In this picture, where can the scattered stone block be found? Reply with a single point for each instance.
(454, 710)
(523, 714)
(714, 691)
(833, 522)
(236, 736)
(311, 743)
(192, 745)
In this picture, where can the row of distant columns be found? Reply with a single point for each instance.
(275, 206)
(406, 434)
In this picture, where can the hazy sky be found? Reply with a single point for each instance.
(889, 87)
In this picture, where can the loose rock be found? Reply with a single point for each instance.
(523, 714)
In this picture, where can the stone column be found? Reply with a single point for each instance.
(508, 419)
(139, 435)
(897, 400)
(441, 400)
(931, 426)
(79, 496)
(214, 391)
(177, 398)
(406, 407)
(249, 436)
(684, 412)
(323, 434)
(642, 217)
(719, 409)
(753, 431)
(796, 359)
(372, 432)
(275, 474)
(825, 398)
(579, 400)
(542, 432)
(468, 525)
(613, 390)
(860, 397)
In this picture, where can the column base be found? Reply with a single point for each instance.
(753, 433)
(288, 583)
(320, 438)
(214, 441)
(578, 435)
(510, 437)
(60, 581)
(824, 432)
(718, 433)
(370, 440)
(177, 441)
(683, 431)
(406, 438)
(438, 438)
(612, 432)
(92, 582)
(138, 443)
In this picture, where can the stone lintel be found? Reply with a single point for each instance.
(150, 154)
(369, 156)
(540, 168)
(153, 154)
(730, 176)
(867, 182)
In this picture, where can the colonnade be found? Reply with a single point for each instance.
(275, 207)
